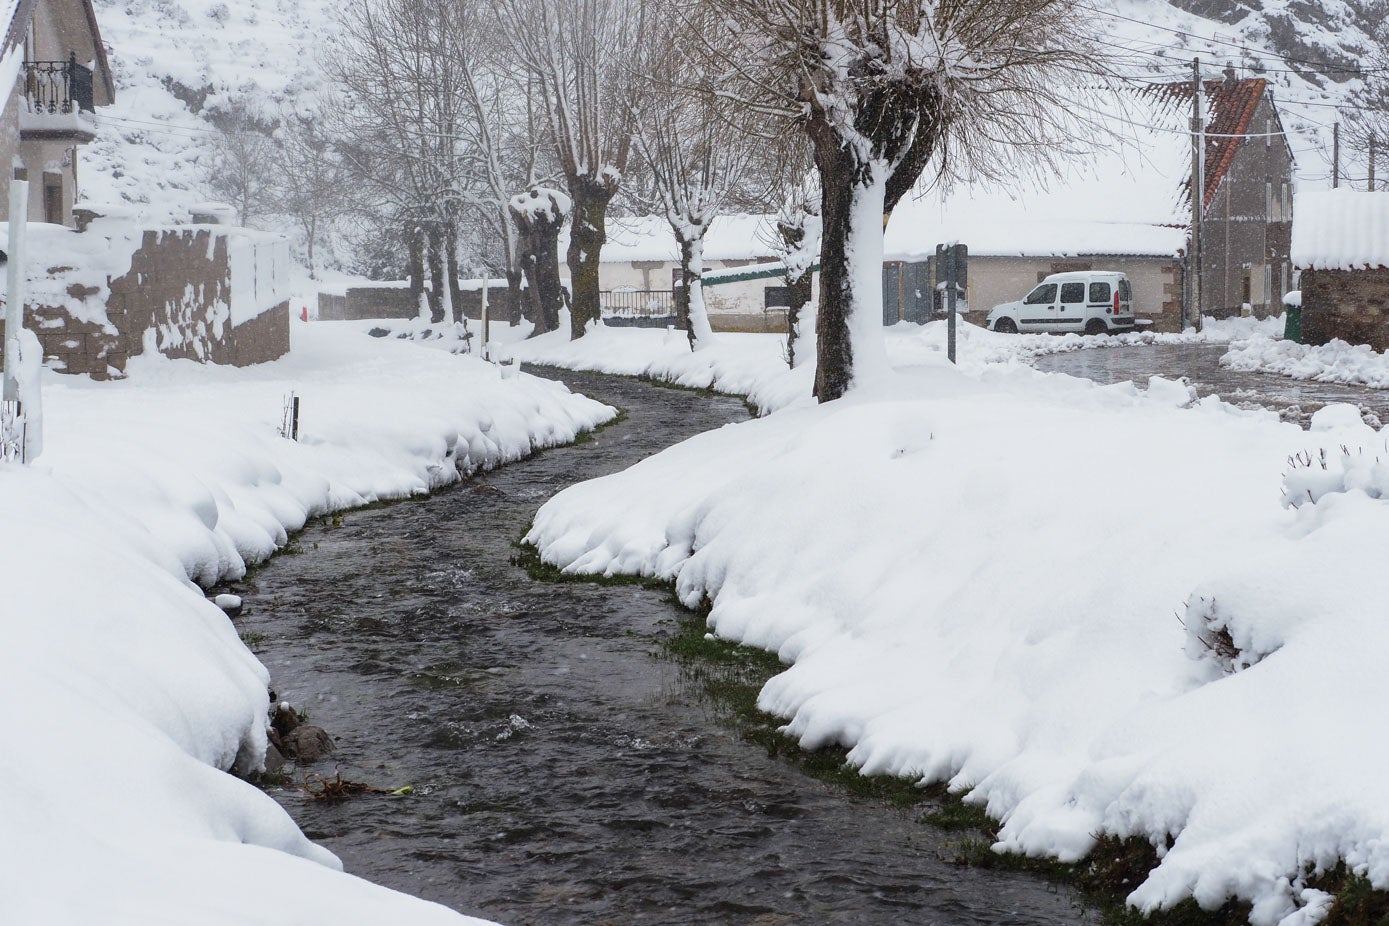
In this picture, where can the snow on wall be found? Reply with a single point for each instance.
(259, 269)
(1340, 229)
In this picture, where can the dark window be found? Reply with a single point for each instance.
(776, 297)
(1072, 293)
(1099, 292)
(1245, 286)
(1042, 295)
(1125, 293)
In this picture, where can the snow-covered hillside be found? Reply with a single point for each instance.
(178, 61)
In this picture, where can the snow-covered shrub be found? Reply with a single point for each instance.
(1216, 635)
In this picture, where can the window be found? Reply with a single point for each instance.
(1125, 293)
(1072, 293)
(776, 297)
(1042, 295)
(1099, 292)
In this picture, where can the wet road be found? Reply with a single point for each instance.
(565, 768)
(1295, 400)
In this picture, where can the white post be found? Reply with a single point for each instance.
(14, 298)
(486, 322)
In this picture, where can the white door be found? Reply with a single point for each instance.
(1038, 311)
(1070, 312)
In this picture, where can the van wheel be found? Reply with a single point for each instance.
(1096, 326)
(1005, 326)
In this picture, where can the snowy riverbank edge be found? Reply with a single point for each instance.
(972, 575)
(127, 691)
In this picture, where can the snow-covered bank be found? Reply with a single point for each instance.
(754, 365)
(973, 576)
(126, 690)
(1336, 362)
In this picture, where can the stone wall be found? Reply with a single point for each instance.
(380, 302)
(1352, 305)
(175, 297)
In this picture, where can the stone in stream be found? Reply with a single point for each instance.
(307, 743)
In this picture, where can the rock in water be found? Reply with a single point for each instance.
(307, 743)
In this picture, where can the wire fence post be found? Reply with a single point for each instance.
(16, 437)
(1198, 190)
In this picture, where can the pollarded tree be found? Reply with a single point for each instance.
(577, 53)
(884, 89)
(538, 216)
(798, 242)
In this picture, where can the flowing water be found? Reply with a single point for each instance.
(564, 768)
(1295, 399)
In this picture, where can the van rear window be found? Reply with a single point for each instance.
(1099, 292)
(1124, 292)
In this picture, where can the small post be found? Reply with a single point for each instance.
(293, 417)
(486, 321)
(1371, 184)
(1335, 155)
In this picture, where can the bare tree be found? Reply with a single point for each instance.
(312, 179)
(696, 161)
(243, 158)
(883, 89)
(575, 52)
(400, 65)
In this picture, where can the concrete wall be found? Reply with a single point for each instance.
(1248, 232)
(1156, 282)
(1352, 305)
(175, 298)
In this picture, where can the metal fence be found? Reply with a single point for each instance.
(637, 303)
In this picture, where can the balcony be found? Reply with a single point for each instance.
(58, 101)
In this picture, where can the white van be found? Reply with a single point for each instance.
(1087, 301)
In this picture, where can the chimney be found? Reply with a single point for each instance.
(1231, 81)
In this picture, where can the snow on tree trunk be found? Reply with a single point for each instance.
(587, 236)
(798, 226)
(538, 216)
(851, 350)
(696, 318)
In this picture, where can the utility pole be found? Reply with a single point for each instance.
(1198, 190)
(1335, 155)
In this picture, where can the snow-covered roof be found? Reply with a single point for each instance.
(1340, 230)
(730, 237)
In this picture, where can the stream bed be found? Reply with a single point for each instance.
(565, 768)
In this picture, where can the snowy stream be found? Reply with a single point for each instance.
(564, 769)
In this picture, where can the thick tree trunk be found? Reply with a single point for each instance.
(538, 233)
(849, 332)
(512, 314)
(451, 271)
(435, 258)
(797, 297)
(586, 239)
(415, 241)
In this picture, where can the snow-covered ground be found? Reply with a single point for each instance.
(1336, 362)
(1089, 607)
(128, 692)
(753, 365)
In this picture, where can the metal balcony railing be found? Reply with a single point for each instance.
(54, 87)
